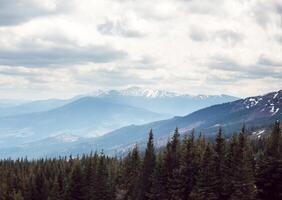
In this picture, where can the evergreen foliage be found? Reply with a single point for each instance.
(187, 168)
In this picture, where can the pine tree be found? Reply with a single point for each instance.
(230, 167)
(170, 163)
(101, 186)
(131, 174)
(148, 168)
(243, 183)
(205, 189)
(41, 187)
(219, 161)
(89, 180)
(184, 177)
(75, 190)
(54, 194)
(269, 168)
(158, 190)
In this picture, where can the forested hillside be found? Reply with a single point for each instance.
(193, 168)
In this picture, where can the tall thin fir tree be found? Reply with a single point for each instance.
(171, 161)
(101, 185)
(269, 168)
(244, 187)
(219, 160)
(184, 177)
(75, 188)
(205, 188)
(149, 165)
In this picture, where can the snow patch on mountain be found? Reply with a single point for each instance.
(258, 133)
(148, 93)
(268, 104)
(274, 111)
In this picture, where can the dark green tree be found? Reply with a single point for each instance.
(101, 186)
(243, 182)
(75, 190)
(205, 189)
(219, 160)
(269, 168)
(148, 168)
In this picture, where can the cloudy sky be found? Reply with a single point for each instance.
(61, 48)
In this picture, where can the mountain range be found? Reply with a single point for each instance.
(87, 116)
(93, 114)
(160, 101)
(255, 112)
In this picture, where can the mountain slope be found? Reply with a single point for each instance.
(257, 111)
(254, 112)
(34, 106)
(86, 116)
(162, 101)
(154, 100)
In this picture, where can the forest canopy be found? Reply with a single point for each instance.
(190, 168)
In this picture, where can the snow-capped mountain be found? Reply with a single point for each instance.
(145, 92)
(269, 104)
(161, 101)
(138, 92)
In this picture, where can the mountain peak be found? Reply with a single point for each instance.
(149, 93)
(269, 103)
(137, 92)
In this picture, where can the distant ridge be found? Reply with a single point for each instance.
(257, 111)
(161, 101)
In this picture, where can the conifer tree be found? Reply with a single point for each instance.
(88, 180)
(269, 168)
(219, 161)
(131, 174)
(206, 179)
(230, 167)
(158, 189)
(75, 190)
(54, 193)
(184, 178)
(101, 186)
(148, 167)
(170, 163)
(243, 175)
(41, 187)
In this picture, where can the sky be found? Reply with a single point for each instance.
(62, 48)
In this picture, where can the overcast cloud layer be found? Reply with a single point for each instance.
(60, 48)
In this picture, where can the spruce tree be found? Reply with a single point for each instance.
(205, 189)
(148, 168)
(75, 190)
(131, 175)
(159, 178)
(54, 193)
(219, 161)
(101, 186)
(170, 163)
(230, 167)
(269, 168)
(41, 187)
(243, 183)
(184, 177)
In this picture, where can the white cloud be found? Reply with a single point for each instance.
(193, 46)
